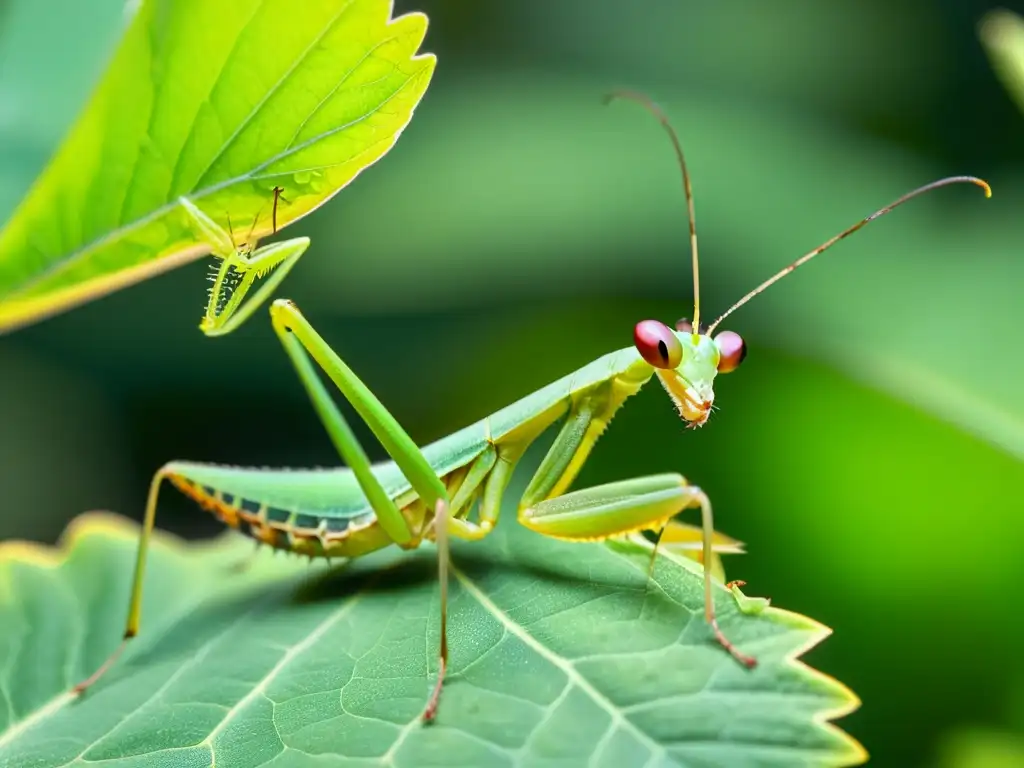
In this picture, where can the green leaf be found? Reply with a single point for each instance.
(219, 101)
(559, 652)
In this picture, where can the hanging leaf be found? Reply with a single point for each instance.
(219, 101)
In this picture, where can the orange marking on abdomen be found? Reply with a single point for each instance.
(226, 513)
(276, 535)
(313, 542)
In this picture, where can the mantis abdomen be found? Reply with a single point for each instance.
(324, 512)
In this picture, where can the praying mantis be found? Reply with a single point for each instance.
(431, 493)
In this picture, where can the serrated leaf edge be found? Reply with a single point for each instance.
(117, 526)
(855, 753)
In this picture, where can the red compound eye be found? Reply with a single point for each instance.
(657, 344)
(731, 351)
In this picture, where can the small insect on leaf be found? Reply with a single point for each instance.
(335, 87)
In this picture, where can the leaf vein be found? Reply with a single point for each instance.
(716, 693)
(330, 95)
(563, 664)
(549, 709)
(328, 133)
(485, 654)
(273, 89)
(175, 172)
(286, 659)
(159, 692)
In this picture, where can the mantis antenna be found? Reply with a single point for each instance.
(653, 108)
(849, 231)
(256, 219)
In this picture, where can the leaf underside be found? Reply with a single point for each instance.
(560, 654)
(220, 102)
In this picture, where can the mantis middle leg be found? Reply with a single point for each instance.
(643, 503)
(614, 509)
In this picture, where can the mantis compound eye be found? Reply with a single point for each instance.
(657, 344)
(731, 351)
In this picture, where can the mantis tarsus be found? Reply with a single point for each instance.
(431, 492)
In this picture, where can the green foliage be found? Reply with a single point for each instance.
(1002, 33)
(558, 652)
(768, 187)
(221, 102)
(978, 748)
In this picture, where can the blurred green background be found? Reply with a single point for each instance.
(868, 450)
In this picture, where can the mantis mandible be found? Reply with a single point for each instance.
(431, 493)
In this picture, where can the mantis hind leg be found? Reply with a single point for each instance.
(304, 346)
(131, 628)
(441, 520)
(644, 503)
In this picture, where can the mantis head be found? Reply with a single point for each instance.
(686, 363)
(688, 358)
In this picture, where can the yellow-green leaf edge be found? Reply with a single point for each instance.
(225, 549)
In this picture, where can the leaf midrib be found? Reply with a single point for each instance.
(270, 93)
